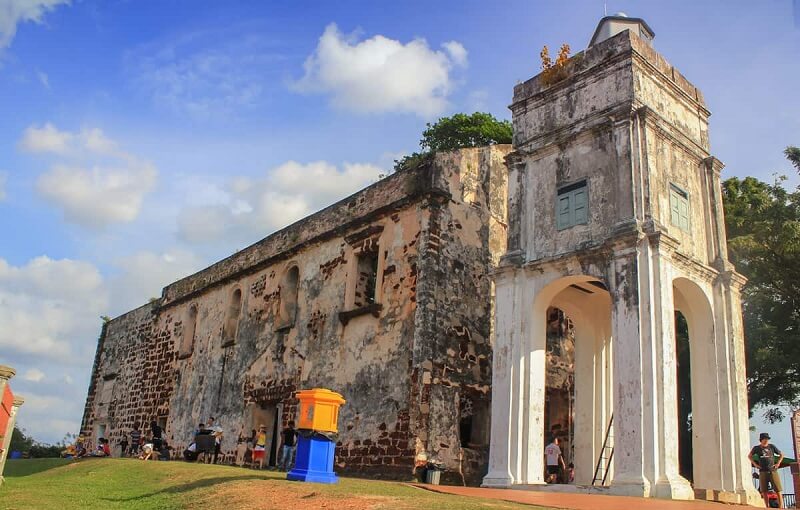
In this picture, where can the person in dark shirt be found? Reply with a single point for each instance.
(762, 456)
(289, 436)
(155, 432)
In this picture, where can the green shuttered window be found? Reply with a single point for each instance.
(572, 206)
(679, 207)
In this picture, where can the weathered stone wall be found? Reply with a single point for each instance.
(438, 230)
(464, 238)
(131, 381)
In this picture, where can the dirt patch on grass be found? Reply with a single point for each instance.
(268, 495)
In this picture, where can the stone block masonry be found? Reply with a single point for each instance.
(384, 297)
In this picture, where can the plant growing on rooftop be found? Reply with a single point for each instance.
(554, 72)
(458, 132)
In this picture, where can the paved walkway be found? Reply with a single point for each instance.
(572, 501)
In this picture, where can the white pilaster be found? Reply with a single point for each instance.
(505, 370)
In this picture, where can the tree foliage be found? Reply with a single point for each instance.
(763, 227)
(34, 449)
(457, 132)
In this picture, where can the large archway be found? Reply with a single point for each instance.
(692, 305)
(581, 305)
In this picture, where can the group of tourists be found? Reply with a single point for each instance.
(207, 441)
(82, 448)
(257, 447)
(150, 446)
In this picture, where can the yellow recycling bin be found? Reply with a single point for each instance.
(319, 409)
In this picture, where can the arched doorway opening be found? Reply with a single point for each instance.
(699, 447)
(574, 316)
(683, 361)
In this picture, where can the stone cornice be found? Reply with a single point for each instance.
(7, 372)
(539, 145)
(713, 165)
(18, 400)
(665, 130)
(673, 89)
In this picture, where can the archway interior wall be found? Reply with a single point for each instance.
(591, 316)
(693, 302)
(593, 398)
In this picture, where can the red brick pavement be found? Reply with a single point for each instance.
(579, 501)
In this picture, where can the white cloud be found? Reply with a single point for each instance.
(99, 185)
(33, 375)
(381, 74)
(49, 307)
(246, 210)
(45, 139)
(14, 12)
(96, 197)
(457, 52)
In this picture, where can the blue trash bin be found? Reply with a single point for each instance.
(314, 459)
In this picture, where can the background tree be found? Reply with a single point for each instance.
(763, 226)
(457, 132)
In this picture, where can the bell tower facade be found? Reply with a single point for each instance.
(616, 220)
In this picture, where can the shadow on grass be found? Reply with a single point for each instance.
(188, 487)
(26, 467)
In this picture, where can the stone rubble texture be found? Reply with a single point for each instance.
(404, 369)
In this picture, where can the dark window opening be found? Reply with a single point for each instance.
(287, 312)
(473, 424)
(367, 279)
(189, 330)
(232, 319)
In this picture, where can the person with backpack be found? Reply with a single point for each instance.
(762, 456)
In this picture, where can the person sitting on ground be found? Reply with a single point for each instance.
(190, 454)
(147, 452)
(69, 452)
(260, 447)
(80, 446)
(98, 452)
(571, 473)
(163, 453)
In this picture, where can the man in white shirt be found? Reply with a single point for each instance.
(554, 460)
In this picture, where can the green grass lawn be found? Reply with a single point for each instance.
(129, 483)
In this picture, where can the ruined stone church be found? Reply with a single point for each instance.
(470, 308)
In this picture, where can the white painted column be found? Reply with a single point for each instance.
(533, 342)
(630, 405)
(505, 370)
(669, 484)
(736, 432)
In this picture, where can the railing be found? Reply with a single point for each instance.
(789, 501)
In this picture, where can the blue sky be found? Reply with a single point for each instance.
(141, 140)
